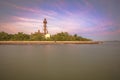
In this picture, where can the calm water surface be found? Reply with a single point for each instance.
(60, 62)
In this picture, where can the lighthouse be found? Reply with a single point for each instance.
(45, 26)
(45, 29)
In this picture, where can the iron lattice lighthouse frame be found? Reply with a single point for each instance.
(45, 26)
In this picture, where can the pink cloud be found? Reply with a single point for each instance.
(9, 28)
(23, 8)
(25, 19)
(36, 10)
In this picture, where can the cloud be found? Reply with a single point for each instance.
(33, 10)
(25, 19)
(9, 28)
(83, 17)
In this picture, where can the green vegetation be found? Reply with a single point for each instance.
(20, 36)
(37, 37)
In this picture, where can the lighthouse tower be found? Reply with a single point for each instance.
(45, 26)
(45, 29)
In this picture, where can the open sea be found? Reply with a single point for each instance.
(60, 62)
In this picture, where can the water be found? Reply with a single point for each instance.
(60, 62)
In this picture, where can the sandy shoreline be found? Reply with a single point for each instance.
(48, 42)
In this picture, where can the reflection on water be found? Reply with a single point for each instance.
(60, 62)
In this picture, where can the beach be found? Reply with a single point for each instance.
(48, 42)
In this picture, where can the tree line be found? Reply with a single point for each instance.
(20, 36)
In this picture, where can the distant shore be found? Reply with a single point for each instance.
(47, 42)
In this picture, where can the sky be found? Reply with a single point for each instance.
(94, 19)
